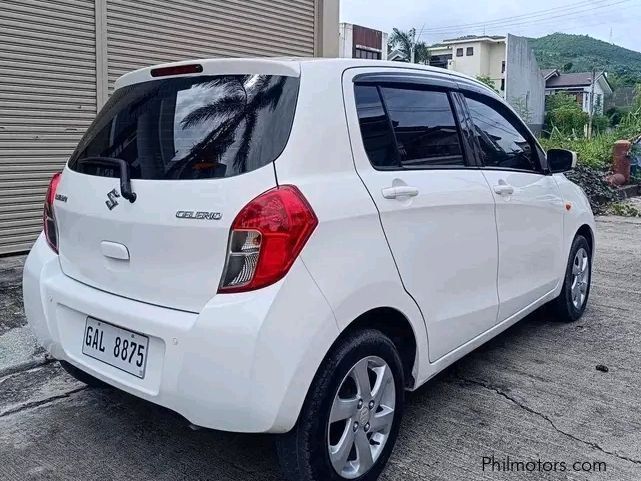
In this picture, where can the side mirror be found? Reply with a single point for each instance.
(561, 160)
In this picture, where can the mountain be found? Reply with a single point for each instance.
(580, 53)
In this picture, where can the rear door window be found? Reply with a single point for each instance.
(424, 126)
(378, 137)
(408, 127)
(191, 128)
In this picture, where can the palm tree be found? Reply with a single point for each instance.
(237, 106)
(403, 41)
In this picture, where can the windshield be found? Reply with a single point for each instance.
(191, 128)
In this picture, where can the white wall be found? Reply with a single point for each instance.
(346, 40)
(327, 37)
(524, 83)
(598, 93)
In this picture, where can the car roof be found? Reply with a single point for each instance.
(287, 66)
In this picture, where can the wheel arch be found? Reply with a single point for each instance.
(586, 231)
(395, 325)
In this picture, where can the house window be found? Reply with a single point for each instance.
(459, 52)
(470, 51)
(503, 67)
(368, 54)
(502, 85)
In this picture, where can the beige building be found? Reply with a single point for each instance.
(483, 56)
(59, 61)
(508, 62)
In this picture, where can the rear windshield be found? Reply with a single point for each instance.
(191, 128)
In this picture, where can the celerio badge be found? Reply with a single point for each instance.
(190, 214)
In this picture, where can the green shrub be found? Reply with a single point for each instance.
(567, 120)
(623, 209)
(595, 153)
(615, 114)
(564, 114)
(600, 124)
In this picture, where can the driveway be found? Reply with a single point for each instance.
(533, 394)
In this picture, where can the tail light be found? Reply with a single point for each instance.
(49, 219)
(266, 237)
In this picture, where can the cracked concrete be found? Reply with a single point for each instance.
(19, 349)
(543, 416)
(531, 394)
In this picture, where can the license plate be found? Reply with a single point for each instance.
(115, 346)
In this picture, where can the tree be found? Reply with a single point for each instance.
(487, 81)
(403, 41)
(564, 113)
(239, 101)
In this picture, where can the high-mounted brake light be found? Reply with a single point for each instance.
(176, 70)
(266, 238)
(49, 220)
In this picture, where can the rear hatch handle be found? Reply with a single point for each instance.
(125, 177)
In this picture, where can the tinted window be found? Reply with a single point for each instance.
(502, 145)
(424, 126)
(191, 128)
(376, 131)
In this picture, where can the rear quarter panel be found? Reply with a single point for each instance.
(347, 255)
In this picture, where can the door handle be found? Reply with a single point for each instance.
(399, 191)
(504, 189)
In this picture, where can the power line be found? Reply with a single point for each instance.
(541, 23)
(533, 17)
(526, 16)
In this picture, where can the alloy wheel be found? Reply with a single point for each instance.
(361, 417)
(580, 278)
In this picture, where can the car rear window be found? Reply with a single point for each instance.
(191, 128)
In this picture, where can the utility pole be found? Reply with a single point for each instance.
(590, 124)
(413, 45)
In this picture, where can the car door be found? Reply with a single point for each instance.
(529, 205)
(435, 206)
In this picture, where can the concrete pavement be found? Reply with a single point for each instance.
(533, 394)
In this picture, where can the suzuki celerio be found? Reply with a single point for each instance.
(288, 245)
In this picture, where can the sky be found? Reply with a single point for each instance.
(618, 21)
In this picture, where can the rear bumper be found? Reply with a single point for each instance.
(243, 364)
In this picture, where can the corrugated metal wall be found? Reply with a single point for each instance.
(51, 80)
(147, 32)
(47, 99)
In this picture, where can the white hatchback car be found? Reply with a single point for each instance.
(287, 245)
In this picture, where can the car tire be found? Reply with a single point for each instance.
(571, 303)
(312, 449)
(82, 376)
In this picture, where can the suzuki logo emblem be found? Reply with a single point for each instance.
(112, 196)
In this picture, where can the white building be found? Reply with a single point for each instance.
(579, 85)
(483, 56)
